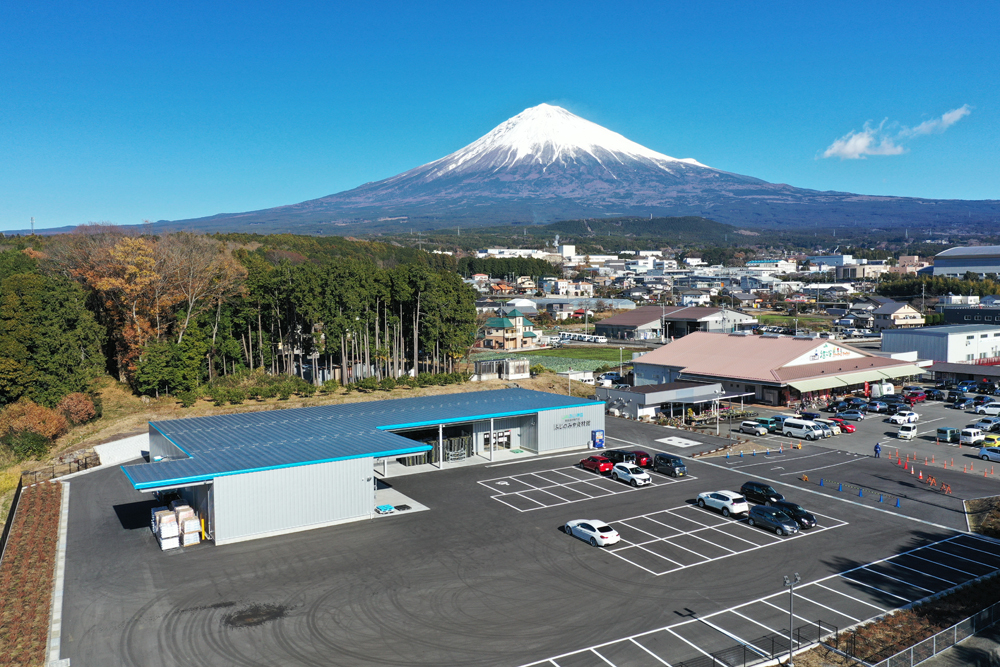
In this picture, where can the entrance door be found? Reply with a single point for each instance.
(502, 440)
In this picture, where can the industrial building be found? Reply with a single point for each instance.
(648, 400)
(775, 369)
(260, 474)
(956, 262)
(972, 343)
(651, 322)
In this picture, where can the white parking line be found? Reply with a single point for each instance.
(835, 611)
(911, 569)
(766, 627)
(889, 576)
(783, 609)
(631, 639)
(738, 609)
(832, 465)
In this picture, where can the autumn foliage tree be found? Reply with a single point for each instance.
(27, 416)
(77, 407)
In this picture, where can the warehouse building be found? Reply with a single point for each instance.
(973, 343)
(775, 369)
(651, 322)
(956, 262)
(260, 474)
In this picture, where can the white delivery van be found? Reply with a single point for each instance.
(970, 437)
(907, 432)
(800, 428)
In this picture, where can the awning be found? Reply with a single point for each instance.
(902, 371)
(816, 384)
(529, 334)
(866, 376)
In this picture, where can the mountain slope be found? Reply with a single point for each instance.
(547, 164)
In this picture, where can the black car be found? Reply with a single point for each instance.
(838, 407)
(936, 395)
(760, 493)
(797, 512)
(809, 415)
(963, 404)
(619, 455)
(669, 464)
(982, 400)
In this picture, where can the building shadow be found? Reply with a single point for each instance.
(136, 515)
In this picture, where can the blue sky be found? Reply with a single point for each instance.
(121, 112)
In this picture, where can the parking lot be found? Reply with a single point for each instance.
(489, 562)
(562, 486)
(675, 539)
(837, 601)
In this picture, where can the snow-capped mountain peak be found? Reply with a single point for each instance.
(547, 134)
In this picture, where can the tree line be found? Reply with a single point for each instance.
(168, 313)
(506, 266)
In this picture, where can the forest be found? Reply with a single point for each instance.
(167, 314)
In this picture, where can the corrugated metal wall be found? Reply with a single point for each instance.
(522, 433)
(285, 500)
(160, 446)
(568, 428)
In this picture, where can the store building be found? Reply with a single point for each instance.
(973, 343)
(775, 369)
(261, 474)
(956, 262)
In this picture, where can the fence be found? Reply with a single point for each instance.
(10, 519)
(29, 477)
(768, 647)
(923, 649)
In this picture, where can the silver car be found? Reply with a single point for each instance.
(989, 453)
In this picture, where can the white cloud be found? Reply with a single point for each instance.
(856, 145)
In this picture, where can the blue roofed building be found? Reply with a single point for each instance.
(268, 473)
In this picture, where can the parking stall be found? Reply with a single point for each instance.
(758, 628)
(681, 537)
(562, 486)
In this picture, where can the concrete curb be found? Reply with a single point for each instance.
(55, 615)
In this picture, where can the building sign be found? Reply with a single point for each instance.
(574, 420)
(825, 352)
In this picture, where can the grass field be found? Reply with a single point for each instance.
(609, 354)
(804, 321)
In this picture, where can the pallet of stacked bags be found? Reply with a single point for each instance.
(166, 529)
(190, 526)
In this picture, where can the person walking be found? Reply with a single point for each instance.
(878, 449)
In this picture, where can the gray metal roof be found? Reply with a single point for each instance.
(944, 330)
(970, 251)
(232, 444)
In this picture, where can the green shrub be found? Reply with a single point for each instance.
(537, 369)
(285, 392)
(187, 398)
(306, 390)
(269, 391)
(236, 396)
(27, 445)
(330, 386)
(411, 382)
(349, 387)
(387, 384)
(368, 384)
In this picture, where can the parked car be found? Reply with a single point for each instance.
(987, 423)
(878, 406)
(970, 437)
(631, 473)
(853, 415)
(753, 428)
(916, 397)
(839, 406)
(669, 464)
(760, 493)
(907, 432)
(770, 423)
(801, 516)
(992, 409)
(595, 531)
(991, 453)
(967, 385)
(642, 459)
(982, 400)
(936, 395)
(812, 416)
(824, 428)
(833, 426)
(909, 389)
(727, 502)
(619, 455)
(947, 434)
(991, 440)
(598, 464)
(845, 426)
(963, 404)
(904, 418)
(858, 403)
(774, 519)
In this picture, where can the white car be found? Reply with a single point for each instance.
(904, 418)
(907, 432)
(987, 423)
(595, 531)
(727, 502)
(631, 473)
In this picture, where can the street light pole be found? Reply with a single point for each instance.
(790, 584)
(621, 364)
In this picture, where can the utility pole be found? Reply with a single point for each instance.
(790, 584)
(32, 225)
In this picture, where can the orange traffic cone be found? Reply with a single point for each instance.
(965, 468)
(925, 460)
(932, 458)
(906, 466)
(921, 475)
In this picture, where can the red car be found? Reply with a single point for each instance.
(597, 464)
(642, 459)
(916, 397)
(845, 426)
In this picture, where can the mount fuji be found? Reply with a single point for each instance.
(547, 164)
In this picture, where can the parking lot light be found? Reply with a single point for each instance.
(790, 584)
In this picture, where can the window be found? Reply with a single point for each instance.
(969, 337)
(967, 318)
(984, 335)
(969, 357)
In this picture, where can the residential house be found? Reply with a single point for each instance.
(696, 297)
(897, 316)
(511, 332)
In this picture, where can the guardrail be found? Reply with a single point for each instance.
(923, 649)
(10, 519)
(762, 649)
(29, 477)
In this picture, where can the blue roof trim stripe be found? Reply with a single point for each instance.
(496, 415)
(204, 478)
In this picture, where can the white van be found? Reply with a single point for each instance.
(970, 437)
(907, 432)
(800, 428)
